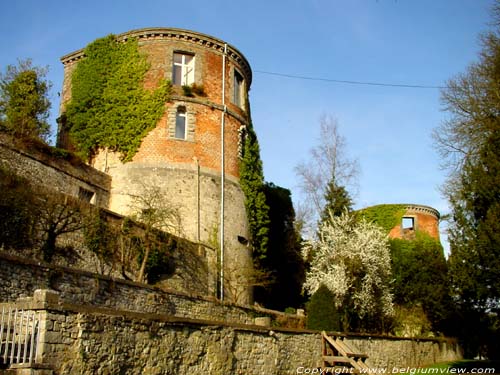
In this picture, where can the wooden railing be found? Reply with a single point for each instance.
(340, 357)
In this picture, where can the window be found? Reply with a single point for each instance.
(86, 195)
(180, 123)
(408, 223)
(238, 89)
(183, 70)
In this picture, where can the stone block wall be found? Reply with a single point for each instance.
(82, 339)
(47, 171)
(21, 277)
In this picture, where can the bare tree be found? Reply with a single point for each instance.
(57, 215)
(328, 163)
(153, 209)
(240, 278)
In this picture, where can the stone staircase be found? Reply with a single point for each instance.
(339, 357)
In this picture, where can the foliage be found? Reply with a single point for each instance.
(386, 216)
(322, 314)
(187, 91)
(337, 201)
(252, 184)
(109, 106)
(35, 217)
(469, 142)
(16, 211)
(411, 321)
(100, 237)
(24, 102)
(420, 277)
(329, 167)
(159, 262)
(352, 259)
(198, 89)
(283, 258)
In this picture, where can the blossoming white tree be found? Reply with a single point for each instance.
(352, 259)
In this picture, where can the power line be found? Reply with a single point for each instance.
(350, 82)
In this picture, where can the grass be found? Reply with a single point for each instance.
(462, 367)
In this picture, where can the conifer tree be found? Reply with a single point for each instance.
(470, 143)
(337, 201)
(252, 184)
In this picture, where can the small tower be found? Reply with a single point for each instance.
(417, 217)
(193, 153)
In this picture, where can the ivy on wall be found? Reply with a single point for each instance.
(252, 184)
(109, 105)
(386, 216)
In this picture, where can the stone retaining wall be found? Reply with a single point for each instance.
(36, 164)
(21, 277)
(79, 339)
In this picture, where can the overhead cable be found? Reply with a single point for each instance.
(350, 82)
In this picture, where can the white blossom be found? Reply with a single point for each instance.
(352, 259)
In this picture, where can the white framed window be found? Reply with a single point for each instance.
(238, 89)
(181, 123)
(183, 69)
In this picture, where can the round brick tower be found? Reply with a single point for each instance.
(417, 217)
(193, 153)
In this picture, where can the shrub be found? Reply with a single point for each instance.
(322, 315)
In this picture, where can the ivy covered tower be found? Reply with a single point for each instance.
(404, 220)
(193, 151)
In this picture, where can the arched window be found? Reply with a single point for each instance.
(180, 123)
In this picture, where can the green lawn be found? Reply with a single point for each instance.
(462, 367)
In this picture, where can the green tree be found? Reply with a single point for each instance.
(470, 143)
(420, 278)
(337, 201)
(322, 314)
(252, 184)
(24, 102)
(17, 215)
(283, 258)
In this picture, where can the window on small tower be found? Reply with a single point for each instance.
(408, 223)
(183, 69)
(180, 123)
(238, 89)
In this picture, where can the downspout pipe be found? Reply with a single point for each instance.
(222, 174)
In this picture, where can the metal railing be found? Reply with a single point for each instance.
(19, 335)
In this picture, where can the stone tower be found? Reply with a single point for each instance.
(193, 153)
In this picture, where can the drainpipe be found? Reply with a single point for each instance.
(222, 174)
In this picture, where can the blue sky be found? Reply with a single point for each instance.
(388, 129)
